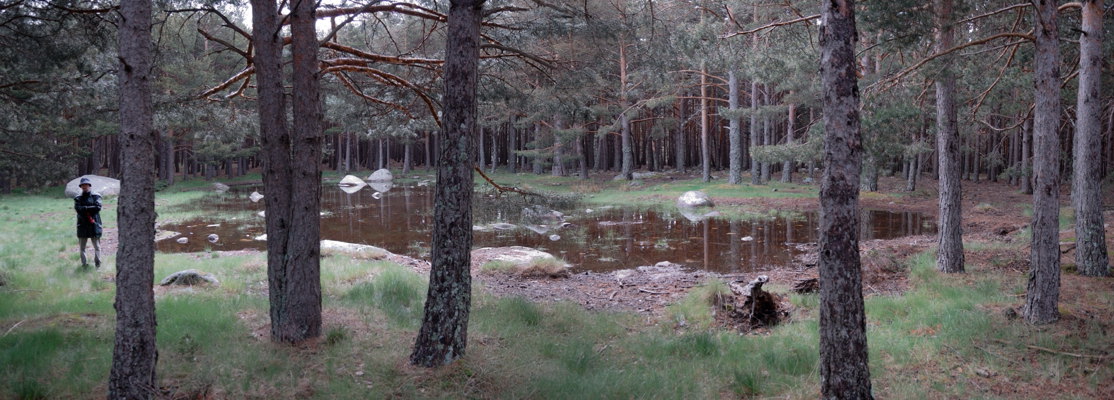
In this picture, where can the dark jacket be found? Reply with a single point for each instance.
(88, 207)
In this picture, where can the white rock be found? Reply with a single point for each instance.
(101, 185)
(747, 238)
(381, 175)
(382, 186)
(261, 213)
(213, 238)
(255, 197)
(183, 240)
(694, 198)
(220, 187)
(554, 237)
(351, 180)
(261, 238)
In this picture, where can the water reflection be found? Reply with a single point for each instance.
(605, 239)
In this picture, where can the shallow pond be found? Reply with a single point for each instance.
(610, 238)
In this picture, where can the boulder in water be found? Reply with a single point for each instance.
(255, 197)
(382, 175)
(102, 185)
(693, 199)
(351, 180)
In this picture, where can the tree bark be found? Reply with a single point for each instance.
(1026, 158)
(949, 253)
(444, 332)
(1090, 254)
(1043, 291)
(134, 354)
(628, 145)
(755, 178)
(681, 144)
(296, 310)
(558, 168)
(538, 146)
(705, 154)
(787, 165)
(735, 152)
(844, 371)
(767, 134)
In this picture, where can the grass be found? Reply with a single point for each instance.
(56, 334)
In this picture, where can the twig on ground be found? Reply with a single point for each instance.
(13, 327)
(1063, 353)
(650, 291)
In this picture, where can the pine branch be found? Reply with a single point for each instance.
(771, 26)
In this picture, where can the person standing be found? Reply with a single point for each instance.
(88, 207)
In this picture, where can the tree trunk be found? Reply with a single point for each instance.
(755, 177)
(444, 332)
(406, 160)
(134, 353)
(735, 161)
(582, 157)
(949, 253)
(538, 146)
(1026, 159)
(844, 371)
(1043, 291)
(558, 168)
(767, 135)
(787, 165)
(1090, 253)
(480, 147)
(681, 139)
(512, 146)
(296, 312)
(628, 145)
(705, 154)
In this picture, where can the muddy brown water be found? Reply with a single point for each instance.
(600, 239)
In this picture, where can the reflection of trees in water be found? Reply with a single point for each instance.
(490, 205)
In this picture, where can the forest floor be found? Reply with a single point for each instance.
(648, 333)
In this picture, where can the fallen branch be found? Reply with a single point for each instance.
(13, 327)
(1063, 353)
(650, 291)
(502, 188)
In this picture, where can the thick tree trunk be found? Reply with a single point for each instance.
(444, 332)
(1090, 253)
(275, 141)
(134, 353)
(949, 253)
(755, 177)
(844, 371)
(735, 161)
(705, 153)
(1043, 291)
(296, 312)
